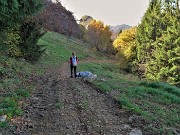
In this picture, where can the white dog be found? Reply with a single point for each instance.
(86, 75)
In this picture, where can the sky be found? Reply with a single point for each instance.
(111, 12)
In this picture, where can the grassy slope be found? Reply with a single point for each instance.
(59, 49)
(157, 102)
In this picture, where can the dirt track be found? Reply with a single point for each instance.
(67, 106)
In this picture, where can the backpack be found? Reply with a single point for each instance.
(74, 61)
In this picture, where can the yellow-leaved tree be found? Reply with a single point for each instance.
(125, 46)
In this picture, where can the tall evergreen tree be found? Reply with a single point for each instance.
(158, 41)
(166, 57)
(148, 31)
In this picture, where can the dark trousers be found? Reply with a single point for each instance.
(73, 68)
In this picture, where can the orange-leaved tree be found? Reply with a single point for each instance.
(99, 36)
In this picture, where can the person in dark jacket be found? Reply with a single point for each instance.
(73, 64)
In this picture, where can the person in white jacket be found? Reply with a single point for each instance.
(73, 64)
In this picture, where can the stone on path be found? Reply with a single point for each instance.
(3, 118)
(135, 131)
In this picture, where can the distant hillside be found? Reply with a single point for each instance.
(57, 18)
(85, 20)
(116, 29)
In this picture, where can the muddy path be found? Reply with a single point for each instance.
(68, 106)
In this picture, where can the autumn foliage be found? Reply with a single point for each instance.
(99, 36)
(125, 44)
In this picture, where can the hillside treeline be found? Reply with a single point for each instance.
(153, 48)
